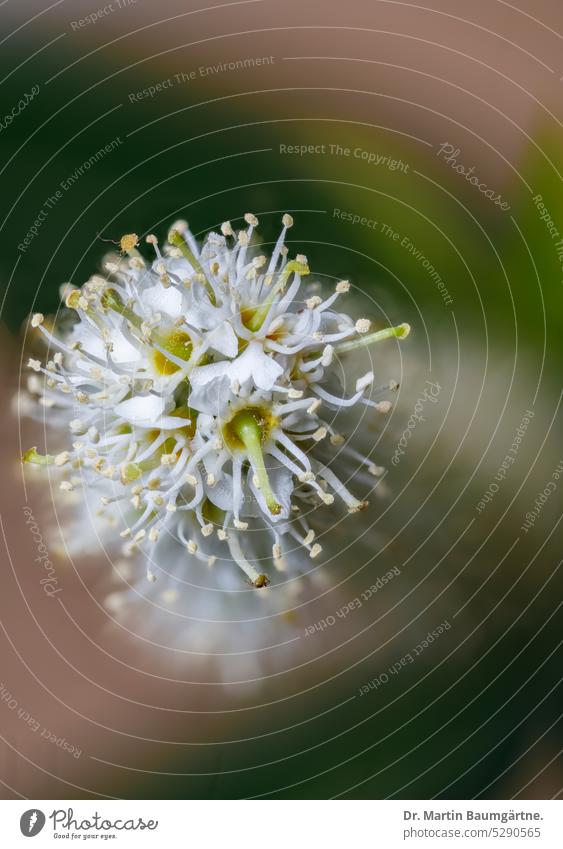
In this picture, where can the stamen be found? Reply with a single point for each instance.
(175, 238)
(260, 314)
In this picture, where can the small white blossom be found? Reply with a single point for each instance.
(203, 389)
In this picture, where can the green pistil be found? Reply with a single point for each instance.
(178, 241)
(258, 317)
(246, 427)
(32, 456)
(399, 332)
(112, 300)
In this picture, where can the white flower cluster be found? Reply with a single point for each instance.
(197, 391)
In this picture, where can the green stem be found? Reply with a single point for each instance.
(32, 456)
(399, 332)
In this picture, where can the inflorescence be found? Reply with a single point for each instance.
(197, 392)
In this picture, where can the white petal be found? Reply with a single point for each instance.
(212, 397)
(165, 300)
(142, 410)
(223, 339)
(221, 495)
(202, 375)
(122, 350)
(255, 364)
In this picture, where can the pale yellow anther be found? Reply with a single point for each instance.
(34, 364)
(312, 409)
(66, 486)
(305, 477)
(383, 406)
(240, 526)
(313, 302)
(309, 538)
(179, 226)
(128, 242)
(72, 299)
(363, 325)
(358, 506)
(226, 228)
(191, 479)
(337, 439)
(287, 220)
(207, 530)
(192, 546)
(295, 393)
(62, 458)
(320, 434)
(37, 319)
(222, 535)
(342, 287)
(315, 551)
(251, 219)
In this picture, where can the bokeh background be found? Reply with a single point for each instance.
(88, 709)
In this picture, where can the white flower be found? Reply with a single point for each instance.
(199, 394)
